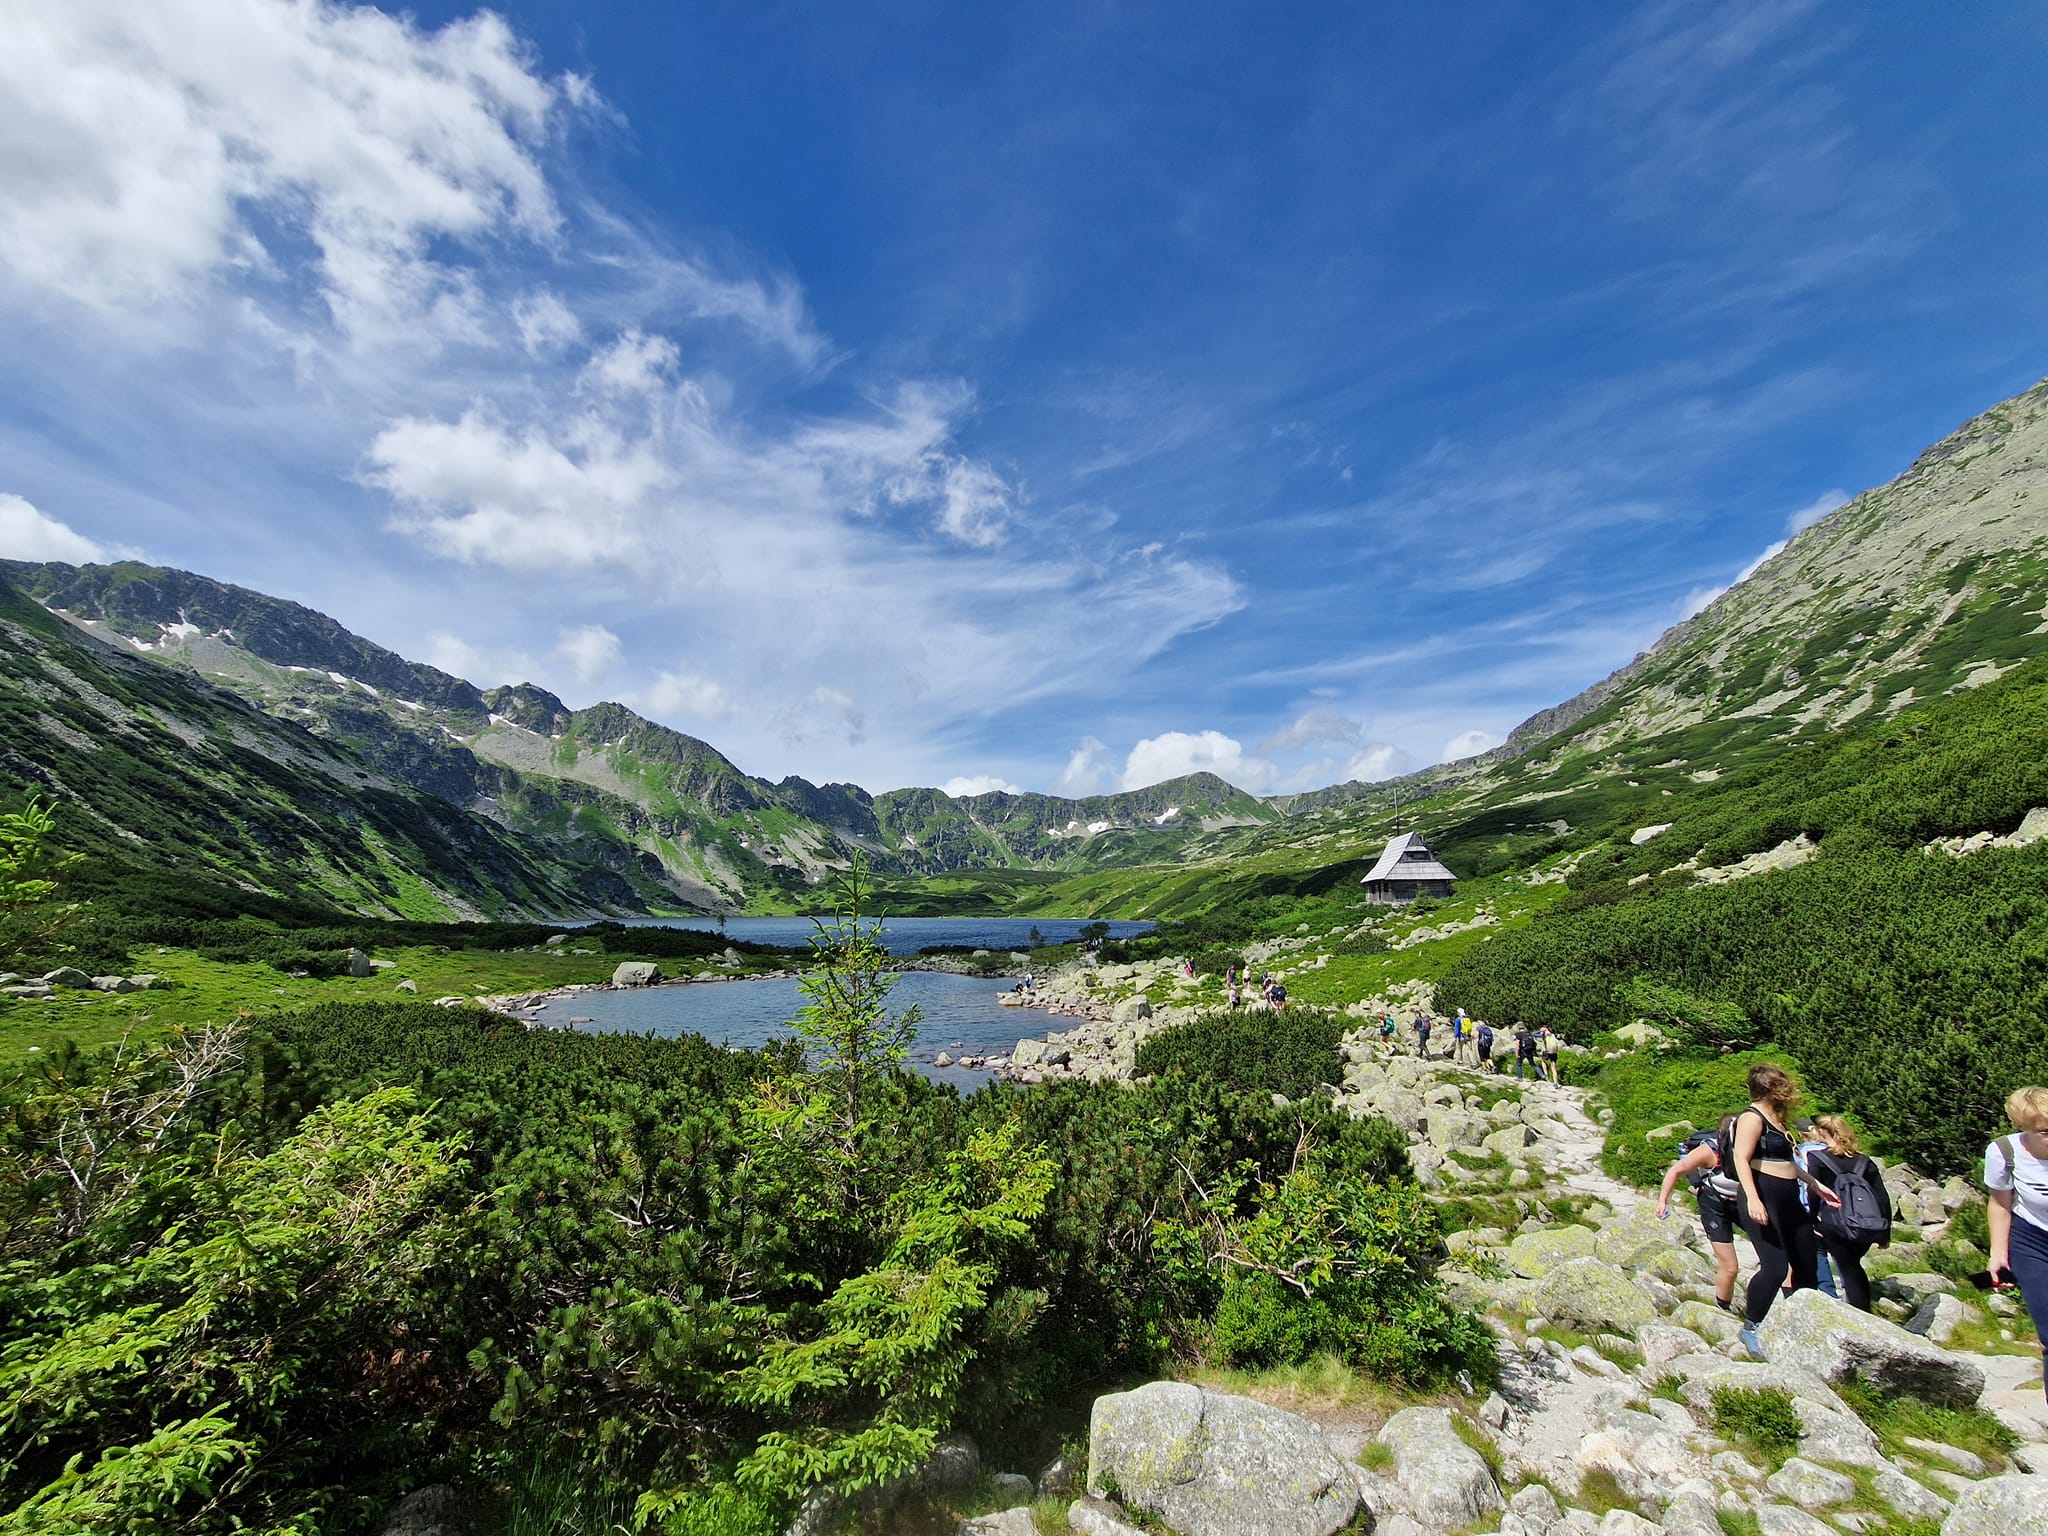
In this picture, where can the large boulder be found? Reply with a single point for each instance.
(2005, 1506)
(1594, 1296)
(1447, 1128)
(68, 976)
(1645, 1456)
(359, 965)
(1836, 1342)
(1533, 1255)
(1508, 1141)
(1132, 1009)
(1403, 1110)
(635, 973)
(1446, 1483)
(1208, 1464)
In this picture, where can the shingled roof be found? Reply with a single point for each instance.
(1407, 857)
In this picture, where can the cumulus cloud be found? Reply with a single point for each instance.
(1376, 762)
(1175, 753)
(1698, 600)
(1815, 510)
(151, 147)
(635, 364)
(457, 657)
(1469, 744)
(978, 784)
(1088, 770)
(544, 322)
(346, 218)
(28, 533)
(592, 650)
(689, 694)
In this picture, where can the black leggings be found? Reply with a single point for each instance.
(1847, 1257)
(1787, 1240)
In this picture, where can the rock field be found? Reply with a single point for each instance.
(1612, 1354)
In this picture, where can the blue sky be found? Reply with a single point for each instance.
(1059, 396)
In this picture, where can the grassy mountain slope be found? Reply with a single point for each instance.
(160, 772)
(669, 814)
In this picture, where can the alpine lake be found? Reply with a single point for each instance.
(958, 1015)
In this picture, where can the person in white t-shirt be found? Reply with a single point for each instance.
(2016, 1176)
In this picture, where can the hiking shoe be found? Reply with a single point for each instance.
(1751, 1342)
(1728, 1306)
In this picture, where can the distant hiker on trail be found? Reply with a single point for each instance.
(2016, 1177)
(1548, 1042)
(1234, 992)
(1864, 1218)
(1525, 1052)
(1458, 1035)
(1387, 1028)
(1187, 967)
(1699, 1164)
(1277, 997)
(1422, 1035)
(1485, 1044)
(1769, 1211)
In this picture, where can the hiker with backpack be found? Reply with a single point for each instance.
(1714, 1188)
(1387, 1028)
(1422, 1035)
(1525, 1051)
(1549, 1042)
(1863, 1218)
(1778, 1226)
(1484, 1041)
(2016, 1180)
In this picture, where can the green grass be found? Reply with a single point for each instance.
(206, 991)
(1480, 1441)
(1762, 1420)
(1600, 1491)
(1896, 1418)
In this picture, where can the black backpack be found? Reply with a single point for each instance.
(1692, 1144)
(1486, 1037)
(1864, 1216)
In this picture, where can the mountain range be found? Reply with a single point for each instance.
(209, 729)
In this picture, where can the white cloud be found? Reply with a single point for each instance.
(690, 694)
(1698, 600)
(635, 364)
(1314, 727)
(1175, 753)
(457, 657)
(545, 323)
(978, 784)
(149, 148)
(1468, 744)
(592, 650)
(1815, 510)
(1376, 762)
(1087, 771)
(28, 533)
(1761, 560)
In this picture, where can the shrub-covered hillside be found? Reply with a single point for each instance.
(1912, 983)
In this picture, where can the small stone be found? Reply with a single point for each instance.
(408, 986)
(1494, 1410)
(1057, 1479)
(1013, 1486)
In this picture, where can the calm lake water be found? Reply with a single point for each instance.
(961, 1014)
(904, 935)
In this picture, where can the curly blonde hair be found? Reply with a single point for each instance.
(2027, 1108)
(1836, 1132)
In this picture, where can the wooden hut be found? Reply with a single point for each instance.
(1406, 872)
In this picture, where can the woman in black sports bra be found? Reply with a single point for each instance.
(1778, 1225)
